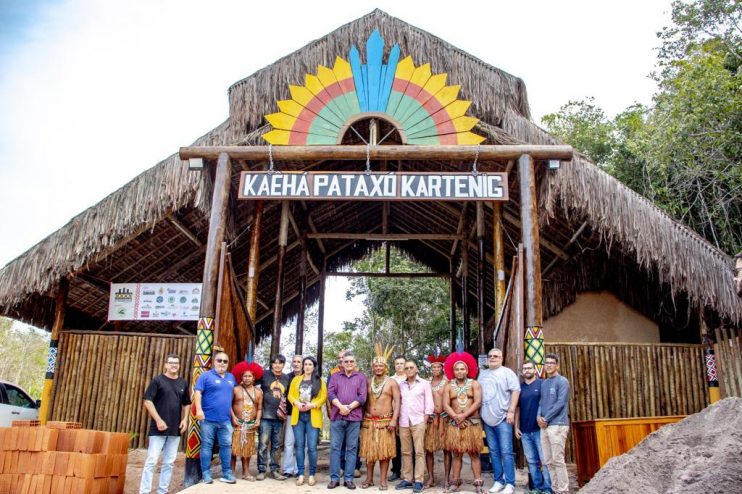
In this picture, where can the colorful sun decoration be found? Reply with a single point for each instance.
(422, 107)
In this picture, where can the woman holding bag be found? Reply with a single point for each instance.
(307, 394)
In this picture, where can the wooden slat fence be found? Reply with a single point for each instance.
(102, 376)
(619, 380)
(729, 361)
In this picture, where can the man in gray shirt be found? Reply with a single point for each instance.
(553, 419)
(500, 392)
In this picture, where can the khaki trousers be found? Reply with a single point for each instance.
(413, 437)
(553, 439)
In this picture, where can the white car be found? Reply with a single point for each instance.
(16, 404)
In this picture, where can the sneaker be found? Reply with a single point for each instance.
(207, 479)
(497, 487)
(261, 476)
(404, 485)
(228, 480)
(277, 476)
(418, 487)
(508, 489)
(394, 476)
(356, 474)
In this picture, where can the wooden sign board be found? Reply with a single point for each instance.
(374, 186)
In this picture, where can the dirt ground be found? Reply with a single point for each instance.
(268, 486)
(702, 453)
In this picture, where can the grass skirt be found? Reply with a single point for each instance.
(435, 434)
(466, 438)
(377, 442)
(243, 448)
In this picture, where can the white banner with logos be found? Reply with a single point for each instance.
(154, 302)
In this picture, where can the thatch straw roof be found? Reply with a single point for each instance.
(596, 233)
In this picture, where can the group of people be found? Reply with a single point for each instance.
(397, 419)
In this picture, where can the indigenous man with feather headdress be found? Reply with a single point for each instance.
(247, 408)
(378, 430)
(462, 399)
(435, 432)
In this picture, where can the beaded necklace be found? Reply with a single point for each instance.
(438, 386)
(461, 393)
(376, 389)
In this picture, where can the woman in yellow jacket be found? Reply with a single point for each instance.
(307, 394)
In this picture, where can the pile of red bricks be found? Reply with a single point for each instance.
(61, 458)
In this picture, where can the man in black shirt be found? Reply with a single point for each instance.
(275, 385)
(166, 400)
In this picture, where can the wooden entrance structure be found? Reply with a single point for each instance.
(222, 159)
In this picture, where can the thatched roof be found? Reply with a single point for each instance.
(596, 233)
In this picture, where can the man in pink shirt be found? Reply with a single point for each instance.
(416, 405)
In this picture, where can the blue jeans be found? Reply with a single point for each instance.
(223, 432)
(535, 457)
(306, 436)
(343, 430)
(159, 444)
(270, 434)
(500, 444)
(289, 450)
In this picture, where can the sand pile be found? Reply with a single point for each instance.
(702, 453)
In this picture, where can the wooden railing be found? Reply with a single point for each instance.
(623, 380)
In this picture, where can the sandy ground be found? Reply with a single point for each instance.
(269, 486)
(700, 454)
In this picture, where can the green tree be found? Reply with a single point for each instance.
(23, 356)
(685, 151)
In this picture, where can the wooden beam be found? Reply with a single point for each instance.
(204, 334)
(446, 153)
(498, 245)
(354, 274)
(312, 227)
(253, 261)
(321, 314)
(530, 238)
(283, 233)
(386, 236)
(572, 239)
(60, 308)
(306, 256)
(460, 226)
(480, 277)
(185, 231)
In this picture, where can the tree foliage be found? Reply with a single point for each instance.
(23, 356)
(411, 314)
(685, 151)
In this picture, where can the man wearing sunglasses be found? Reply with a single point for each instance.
(213, 399)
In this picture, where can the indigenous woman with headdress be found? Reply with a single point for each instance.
(435, 432)
(378, 430)
(462, 398)
(307, 394)
(247, 408)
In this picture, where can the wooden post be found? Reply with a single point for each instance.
(534, 338)
(712, 377)
(465, 293)
(499, 251)
(283, 234)
(253, 262)
(299, 348)
(321, 314)
(51, 364)
(480, 277)
(452, 308)
(206, 321)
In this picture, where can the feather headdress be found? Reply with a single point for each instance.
(247, 365)
(460, 356)
(382, 354)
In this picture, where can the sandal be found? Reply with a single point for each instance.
(366, 484)
(300, 480)
(478, 489)
(383, 487)
(454, 486)
(430, 483)
(249, 478)
(311, 480)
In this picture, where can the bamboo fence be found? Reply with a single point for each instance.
(623, 380)
(729, 361)
(102, 377)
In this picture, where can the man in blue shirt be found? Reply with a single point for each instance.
(553, 419)
(213, 399)
(527, 429)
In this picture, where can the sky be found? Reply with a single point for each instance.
(93, 92)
